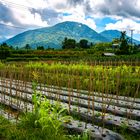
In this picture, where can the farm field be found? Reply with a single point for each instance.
(103, 99)
(69, 70)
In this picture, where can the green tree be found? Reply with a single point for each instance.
(69, 43)
(5, 45)
(124, 46)
(83, 44)
(27, 47)
(5, 51)
(40, 48)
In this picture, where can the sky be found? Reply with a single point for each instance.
(17, 16)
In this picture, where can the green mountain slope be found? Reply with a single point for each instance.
(111, 34)
(53, 36)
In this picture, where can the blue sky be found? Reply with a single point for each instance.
(97, 14)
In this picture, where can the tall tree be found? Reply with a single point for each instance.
(124, 46)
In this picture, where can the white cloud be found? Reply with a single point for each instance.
(6, 23)
(21, 12)
(78, 18)
(78, 15)
(25, 4)
(124, 24)
(122, 11)
(27, 18)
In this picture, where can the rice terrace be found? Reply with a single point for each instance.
(69, 70)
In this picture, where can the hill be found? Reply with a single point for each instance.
(53, 36)
(111, 34)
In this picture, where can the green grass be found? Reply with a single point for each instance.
(44, 123)
(26, 130)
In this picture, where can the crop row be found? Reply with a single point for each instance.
(92, 112)
(120, 80)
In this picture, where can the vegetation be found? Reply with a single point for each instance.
(124, 47)
(120, 79)
(40, 48)
(72, 44)
(44, 122)
(109, 80)
(5, 51)
(88, 84)
(24, 131)
(73, 51)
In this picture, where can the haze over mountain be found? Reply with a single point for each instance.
(53, 36)
(111, 34)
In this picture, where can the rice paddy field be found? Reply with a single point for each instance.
(101, 99)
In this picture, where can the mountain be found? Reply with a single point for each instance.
(111, 34)
(53, 36)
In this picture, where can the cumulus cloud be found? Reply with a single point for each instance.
(116, 8)
(50, 15)
(19, 14)
(122, 8)
(87, 21)
(27, 18)
(75, 2)
(41, 13)
(48, 11)
(6, 14)
(125, 24)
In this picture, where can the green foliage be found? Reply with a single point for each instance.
(28, 130)
(68, 43)
(40, 48)
(49, 116)
(71, 44)
(27, 47)
(124, 47)
(45, 122)
(102, 46)
(5, 51)
(84, 44)
(124, 78)
(84, 136)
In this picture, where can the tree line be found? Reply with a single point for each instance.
(122, 45)
(69, 43)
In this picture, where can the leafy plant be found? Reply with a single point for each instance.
(49, 114)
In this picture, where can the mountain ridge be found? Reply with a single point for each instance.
(111, 34)
(53, 36)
